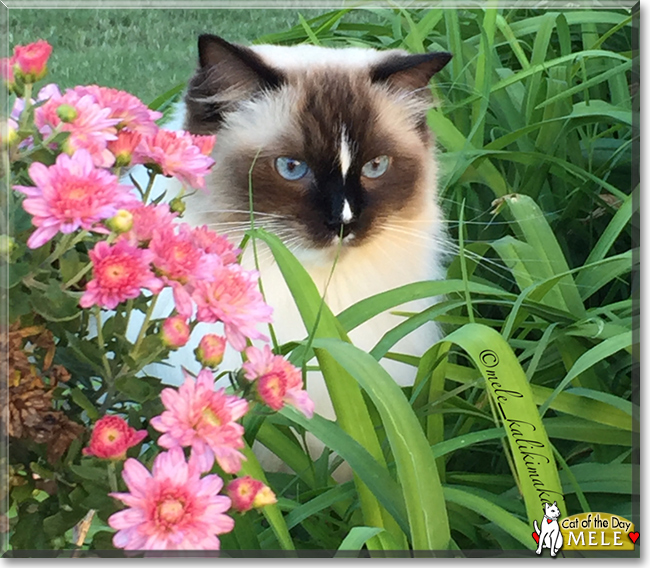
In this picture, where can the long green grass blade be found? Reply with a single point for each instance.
(357, 537)
(416, 467)
(511, 394)
(499, 516)
(588, 360)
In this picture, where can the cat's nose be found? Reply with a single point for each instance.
(341, 213)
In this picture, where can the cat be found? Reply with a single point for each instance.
(337, 146)
(549, 535)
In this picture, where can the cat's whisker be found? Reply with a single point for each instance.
(246, 212)
(408, 231)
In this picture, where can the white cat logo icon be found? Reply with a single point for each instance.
(549, 534)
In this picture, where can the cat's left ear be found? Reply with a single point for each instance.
(409, 72)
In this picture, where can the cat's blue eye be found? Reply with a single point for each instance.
(291, 169)
(375, 167)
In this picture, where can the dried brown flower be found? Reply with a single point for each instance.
(25, 395)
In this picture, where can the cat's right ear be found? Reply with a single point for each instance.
(227, 74)
(236, 65)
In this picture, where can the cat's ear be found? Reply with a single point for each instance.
(409, 72)
(227, 74)
(236, 65)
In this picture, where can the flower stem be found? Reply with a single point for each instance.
(129, 310)
(111, 238)
(65, 244)
(147, 192)
(145, 325)
(102, 345)
(78, 276)
(44, 144)
(112, 476)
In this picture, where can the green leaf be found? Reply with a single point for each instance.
(133, 388)
(15, 274)
(167, 97)
(416, 467)
(54, 304)
(324, 500)
(357, 537)
(373, 474)
(604, 109)
(91, 473)
(610, 234)
(513, 400)
(499, 516)
(588, 360)
(532, 225)
(369, 307)
(602, 478)
(81, 399)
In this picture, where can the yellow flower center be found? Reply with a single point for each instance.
(171, 511)
(77, 192)
(210, 417)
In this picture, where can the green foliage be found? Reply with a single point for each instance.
(535, 130)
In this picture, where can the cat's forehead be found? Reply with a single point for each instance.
(311, 57)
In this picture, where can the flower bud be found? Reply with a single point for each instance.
(7, 246)
(124, 146)
(210, 350)
(66, 113)
(264, 497)
(31, 60)
(242, 492)
(8, 135)
(177, 205)
(175, 332)
(121, 222)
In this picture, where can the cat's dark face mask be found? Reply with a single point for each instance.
(329, 154)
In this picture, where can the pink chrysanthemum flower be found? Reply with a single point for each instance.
(233, 298)
(213, 243)
(69, 195)
(180, 264)
(91, 129)
(175, 155)
(278, 381)
(198, 416)
(131, 111)
(111, 437)
(171, 508)
(124, 146)
(31, 60)
(175, 332)
(119, 273)
(147, 219)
